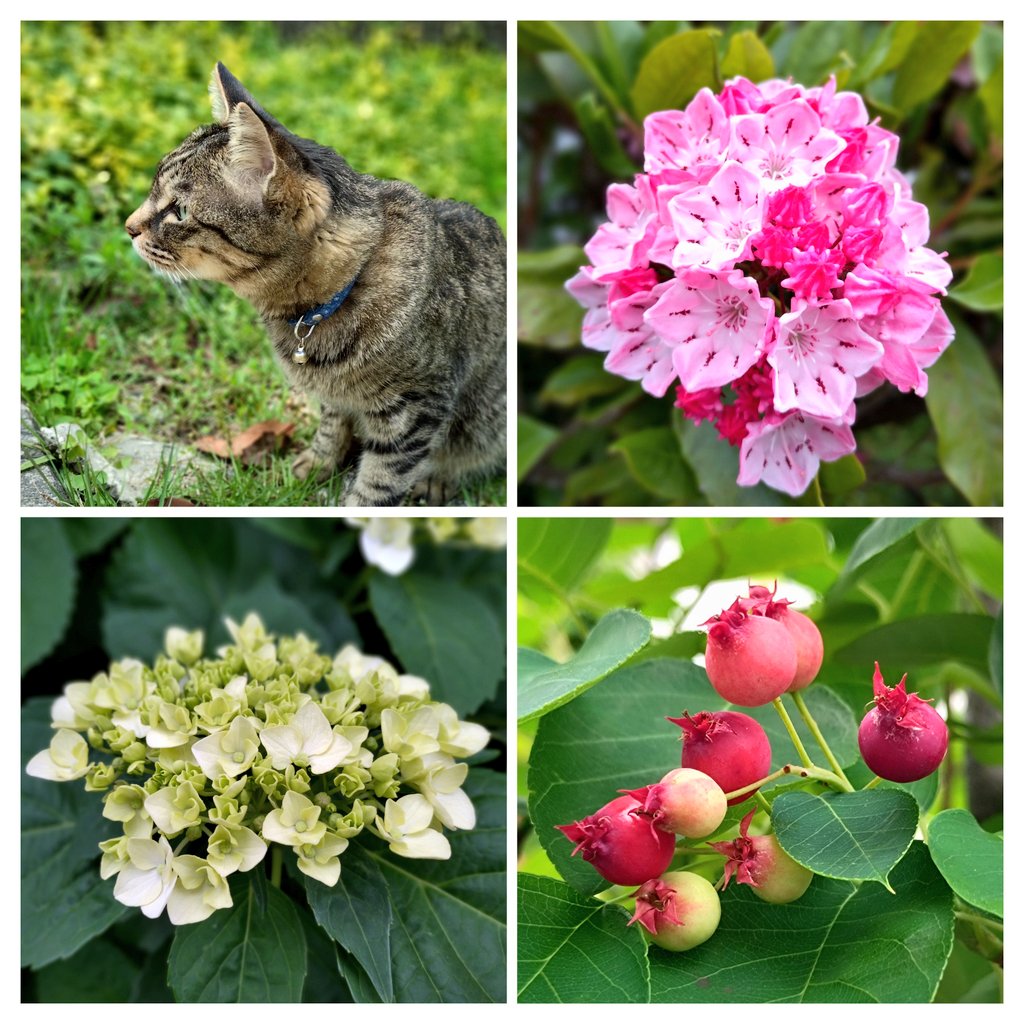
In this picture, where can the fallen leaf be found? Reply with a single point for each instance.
(253, 446)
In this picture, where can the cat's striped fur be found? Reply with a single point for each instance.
(410, 371)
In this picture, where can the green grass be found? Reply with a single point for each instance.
(108, 345)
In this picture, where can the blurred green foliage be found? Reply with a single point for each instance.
(587, 437)
(107, 344)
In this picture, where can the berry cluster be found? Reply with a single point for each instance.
(772, 260)
(758, 648)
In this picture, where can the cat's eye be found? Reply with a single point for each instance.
(180, 211)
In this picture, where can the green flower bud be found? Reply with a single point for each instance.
(100, 777)
(184, 646)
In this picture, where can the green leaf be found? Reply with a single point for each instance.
(324, 982)
(834, 718)
(448, 930)
(600, 132)
(839, 943)
(253, 952)
(88, 536)
(749, 57)
(923, 791)
(970, 433)
(982, 288)
(995, 653)
(655, 462)
(534, 438)
(673, 71)
(886, 53)
(442, 631)
(970, 859)
(578, 379)
(60, 880)
(878, 538)
(48, 591)
(930, 59)
(628, 744)
(357, 913)
(555, 553)
(919, 641)
(857, 836)
(544, 687)
(841, 477)
(979, 551)
(575, 950)
(98, 973)
(991, 94)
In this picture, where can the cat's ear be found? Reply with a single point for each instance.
(226, 92)
(250, 148)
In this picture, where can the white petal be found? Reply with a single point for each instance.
(208, 753)
(426, 845)
(250, 848)
(276, 832)
(135, 887)
(455, 810)
(160, 807)
(416, 813)
(339, 749)
(312, 725)
(42, 767)
(187, 906)
(328, 873)
(282, 743)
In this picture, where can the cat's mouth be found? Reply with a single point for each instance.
(159, 259)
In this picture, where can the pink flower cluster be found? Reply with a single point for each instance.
(772, 261)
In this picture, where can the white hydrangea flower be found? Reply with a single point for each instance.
(65, 759)
(406, 829)
(438, 777)
(198, 891)
(234, 848)
(184, 646)
(175, 807)
(295, 823)
(386, 543)
(320, 860)
(147, 879)
(229, 751)
(307, 739)
(489, 532)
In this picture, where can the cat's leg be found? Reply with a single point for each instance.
(333, 441)
(398, 447)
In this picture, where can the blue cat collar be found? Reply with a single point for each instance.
(319, 313)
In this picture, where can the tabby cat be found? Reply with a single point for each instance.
(386, 305)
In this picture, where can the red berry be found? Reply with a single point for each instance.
(759, 861)
(686, 803)
(806, 638)
(680, 910)
(623, 847)
(902, 738)
(729, 746)
(750, 659)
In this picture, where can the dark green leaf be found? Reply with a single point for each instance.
(930, 59)
(839, 943)
(749, 57)
(357, 913)
(600, 132)
(555, 553)
(542, 688)
(881, 535)
(576, 950)
(841, 477)
(242, 954)
(995, 653)
(856, 836)
(324, 981)
(923, 791)
(970, 433)
(672, 72)
(655, 462)
(60, 881)
(979, 551)
(577, 379)
(48, 590)
(991, 93)
(98, 973)
(834, 718)
(88, 536)
(448, 931)
(970, 859)
(442, 631)
(982, 288)
(919, 641)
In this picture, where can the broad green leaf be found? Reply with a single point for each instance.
(576, 950)
(970, 859)
(995, 653)
(970, 433)
(61, 825)
(923, 791)
(982, 288)
(834, 718)
(324, 982)
(886, 53)
(600, 132)
(547, 314)
(991, 93)
(578, 379)
(838, 943)
(612, 737)
(99, 972)
(656, 464)
(919, 641)
(88, 536)
(618, 636)
(673, 71)
(47, 587)
(448, 917)
(749, 57)
(930, 59)
(979, 551)
(357, 913)
(841, 477)
(555, 553)
(253, 952)
(881, 535)
(856, 836)
(442, 631)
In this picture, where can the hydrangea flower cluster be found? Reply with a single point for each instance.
(205, 762)
(772, 261)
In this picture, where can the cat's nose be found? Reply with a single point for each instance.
(132, 227)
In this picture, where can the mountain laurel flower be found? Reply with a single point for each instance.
(760, 213)
(67, 758)
(296, 749)
(407, 829)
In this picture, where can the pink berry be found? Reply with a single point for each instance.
(728, 746)
(806, 636)
(750, 659)
(623, 847)
(902, 738)
(680, 910)
(686, 803)
(759, 861)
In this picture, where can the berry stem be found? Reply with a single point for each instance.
(874, 782)
(791, 729)
(806, 771)
(805, 714)
(763, 801)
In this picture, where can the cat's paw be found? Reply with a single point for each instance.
(431, 491)
(306, 464)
